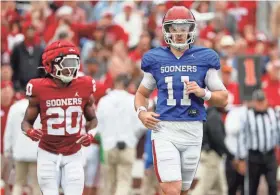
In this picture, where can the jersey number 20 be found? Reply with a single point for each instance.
(62, 115)
(186, 101)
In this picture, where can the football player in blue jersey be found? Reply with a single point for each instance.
(185, 76)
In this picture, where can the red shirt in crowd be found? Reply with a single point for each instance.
(272, 90)
(233, 97)
(209, 33)
(135, 55)
(102, 86)
(4, 40)
(233, 94)
(79, 30)
(245, 12)
(115, 33)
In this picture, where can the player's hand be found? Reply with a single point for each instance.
(241, 167)
(34, 134)
(85, 140)
(193, 87)
(149, 119)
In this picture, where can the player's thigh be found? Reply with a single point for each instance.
(92, 163)
(73, 176)
(48, 175)
(167, 163)
(189, 161)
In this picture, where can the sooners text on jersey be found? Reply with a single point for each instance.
(61, 111)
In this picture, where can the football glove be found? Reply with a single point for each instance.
(34, 134)
(85, 140)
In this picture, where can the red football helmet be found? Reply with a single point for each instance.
(179, 27)
(61, 59)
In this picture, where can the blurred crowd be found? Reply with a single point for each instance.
(113, 36)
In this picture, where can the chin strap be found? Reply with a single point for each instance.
(65, 79)
(179, 47)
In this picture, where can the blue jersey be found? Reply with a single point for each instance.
(170, 72)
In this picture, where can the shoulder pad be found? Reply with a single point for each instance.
(213, 59)
(89, 82)
(146, 62)
(32, 87)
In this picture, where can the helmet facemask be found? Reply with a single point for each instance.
(66, 68)
(179, 34)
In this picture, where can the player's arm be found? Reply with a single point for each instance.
(91, 123)
(218, 94)
(141, 101)
(219, 98)
(90, 115)
(30, 116)
(142, 97)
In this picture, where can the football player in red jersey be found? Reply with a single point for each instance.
(61, 98)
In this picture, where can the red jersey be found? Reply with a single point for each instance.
(61, 111)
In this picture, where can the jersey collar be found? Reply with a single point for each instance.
(167, 48)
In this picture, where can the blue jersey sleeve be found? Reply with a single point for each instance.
(146, 62)
(213, 60)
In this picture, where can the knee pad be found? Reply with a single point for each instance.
(73, 178)
(190, 160)
(75, 174)
(48, 176)
(167, 161)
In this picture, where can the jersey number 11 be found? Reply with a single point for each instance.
(186, 101)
